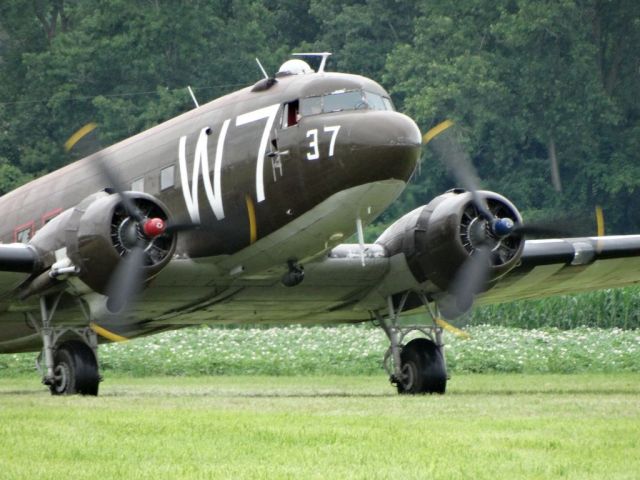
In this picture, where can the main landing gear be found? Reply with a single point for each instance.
(419, 366)
(69, 354)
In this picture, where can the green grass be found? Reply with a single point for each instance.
(356, 350)
(486, 427)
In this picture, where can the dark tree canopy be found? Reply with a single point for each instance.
(545, 93)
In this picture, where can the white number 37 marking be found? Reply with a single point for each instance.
(314, 154)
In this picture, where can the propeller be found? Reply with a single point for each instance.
(457, 163)
(135, 233)
(182, 226)
(470, 280)
(473, 275)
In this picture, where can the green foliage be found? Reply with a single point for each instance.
(10, 177)
(357, 350)
(611, 308)
(517, 76)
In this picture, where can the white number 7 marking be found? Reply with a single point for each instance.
(270, 114)
(334, 134)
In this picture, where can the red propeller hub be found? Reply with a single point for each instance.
(154, 227)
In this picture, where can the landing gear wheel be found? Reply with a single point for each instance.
(75, 370)
(423, 368)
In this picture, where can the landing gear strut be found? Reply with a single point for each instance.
(70, 366)
(419, 366)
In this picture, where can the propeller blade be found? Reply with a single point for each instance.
(114, 334)
(453, 157)
(125, 284)
(127, 280)
(470, 280)
(114, 182)
(448, 149)
(181, 226)
(85, 138)
(541, 229)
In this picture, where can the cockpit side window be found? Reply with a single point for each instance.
(344, 100)
(339, 101)
(311, 106)
(375, 101)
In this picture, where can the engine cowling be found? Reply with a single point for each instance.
(98, 233)
(439, 237)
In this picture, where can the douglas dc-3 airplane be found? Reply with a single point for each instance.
(235, 212)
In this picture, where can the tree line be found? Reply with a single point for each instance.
(545, 93)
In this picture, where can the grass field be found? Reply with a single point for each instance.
(584, 426)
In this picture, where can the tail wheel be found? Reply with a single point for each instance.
(75, 370)
(423, 368)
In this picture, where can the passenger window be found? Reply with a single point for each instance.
(167, 177)
(138, 185)
(47, 217)
(337, 102)
(23, 233)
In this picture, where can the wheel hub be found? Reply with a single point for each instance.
(409, 375)
(61, 377)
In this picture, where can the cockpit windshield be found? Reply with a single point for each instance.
(336, 102)
(342, 100)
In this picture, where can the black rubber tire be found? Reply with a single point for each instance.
(76, 370)
(423, 362)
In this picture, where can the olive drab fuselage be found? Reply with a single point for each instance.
(244, 165)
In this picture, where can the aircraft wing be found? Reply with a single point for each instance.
(347, 283)
(547, 267)
(570, 265)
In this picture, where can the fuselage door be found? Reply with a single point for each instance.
(284, 147)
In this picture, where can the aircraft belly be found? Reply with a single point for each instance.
(316, 231)
(330, 291)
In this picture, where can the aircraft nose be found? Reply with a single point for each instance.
(386, 144)
(401, 130)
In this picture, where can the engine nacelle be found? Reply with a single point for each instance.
(97, 233)
(439, 237)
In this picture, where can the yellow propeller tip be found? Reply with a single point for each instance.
(78, 135)
(109, 335)
(435, 131)
(450, 328)
(600, 220)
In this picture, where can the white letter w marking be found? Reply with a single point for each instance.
(201, 157)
